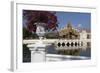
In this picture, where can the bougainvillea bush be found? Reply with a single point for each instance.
(48, 17)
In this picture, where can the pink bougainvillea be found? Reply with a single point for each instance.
(47, 17)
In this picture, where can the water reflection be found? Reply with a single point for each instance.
(75, 52)
(86, 52)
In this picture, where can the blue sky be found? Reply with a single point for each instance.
(77, 19)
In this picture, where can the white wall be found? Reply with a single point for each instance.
(5, 35)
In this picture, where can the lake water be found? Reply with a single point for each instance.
(86, 53)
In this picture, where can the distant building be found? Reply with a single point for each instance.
(68, 32)
(72, 35)
(85, 35)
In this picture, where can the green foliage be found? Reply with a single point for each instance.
(26, 33)
(26, 54)
(29, 35)
(52, 35)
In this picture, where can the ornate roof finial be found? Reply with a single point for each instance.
(69, 25)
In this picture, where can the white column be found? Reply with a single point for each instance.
(38, 54)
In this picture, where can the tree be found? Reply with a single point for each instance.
(27, 34)
(26, 54)
(40, 16)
